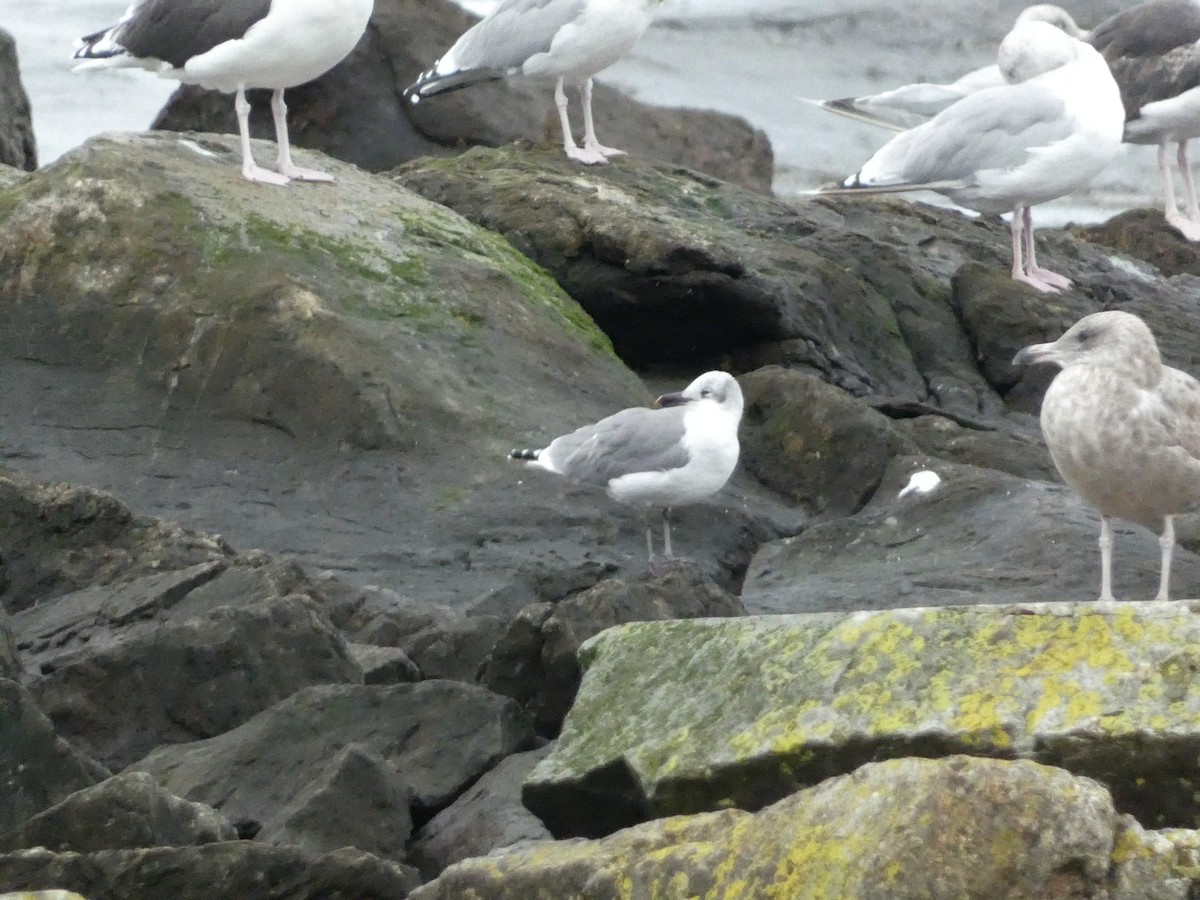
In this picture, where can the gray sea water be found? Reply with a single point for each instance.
(754, 58)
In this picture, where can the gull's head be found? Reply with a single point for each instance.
(720, 388)
(1052, 15)
(1114, 340)
(1033, 48)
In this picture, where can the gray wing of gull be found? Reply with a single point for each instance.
(633, 440)
(990, 129)
(513, 32)
(176, 30)
(1180, 419)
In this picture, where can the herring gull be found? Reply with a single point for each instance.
(907, 105)
(567, 41)
(1007, 148)
(1154, 52)
(231, 45)
(1122, 428)
(677, 454)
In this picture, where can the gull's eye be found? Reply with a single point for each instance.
(1086, 336)
(707, 392)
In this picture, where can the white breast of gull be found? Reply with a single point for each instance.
(1122, 428)
(232, 45)
(564, 41)
(1007, 148)
(679, 453)
(1154, 55)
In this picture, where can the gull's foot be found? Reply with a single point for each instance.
(586, 156)
(661, 565)
(1052, 278)
(606, 152)
(264, 176)
(301, 174)
(1034, 281)
(1189, 228)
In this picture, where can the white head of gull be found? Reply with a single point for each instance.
(909, 104)
(680, 453)
(1154, 52)
(565, 41)
(1007, 148)
(1122, 428)
(231, 45)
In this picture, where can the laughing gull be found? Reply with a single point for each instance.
(567, 41)
(1154, 52)
(908, 104)
(231, 45)
(1122, 428)
(1007, 148)
(679, 453)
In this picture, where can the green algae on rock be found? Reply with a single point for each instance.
(952, 829)
(686, 716)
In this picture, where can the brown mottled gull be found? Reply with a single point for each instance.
(1123, 429)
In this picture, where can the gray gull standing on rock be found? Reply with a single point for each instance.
(566, 41)
(655, 458)
(1154, 52)
(1007, 148)
(906, 105)
(231, 45)
(1122, 428)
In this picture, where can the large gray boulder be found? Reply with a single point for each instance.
(439, 735)
(953, 829)
(680, 717)
(231, 870)
(126, 811)
(192, 679)
(356, 111)
(18, 147)
(37, 767)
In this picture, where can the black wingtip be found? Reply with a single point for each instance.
(523, 454)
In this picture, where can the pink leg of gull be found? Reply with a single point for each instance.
(1187, 227)
(250, 171)
(1106, 548)
(589, 126)
(1031, 267)
(1167, 542)
(573, 150)
(1019, 272)
(286, 166)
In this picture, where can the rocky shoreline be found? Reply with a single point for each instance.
(278, 618)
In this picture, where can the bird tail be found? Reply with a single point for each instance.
(434, 82)
(852, 186)
(99, 46)
(524, 454)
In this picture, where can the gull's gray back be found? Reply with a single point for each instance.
(633, 440)
(513, 32)
(991, 129)
(176, 30)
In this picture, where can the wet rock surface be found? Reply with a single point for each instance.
(263, 557)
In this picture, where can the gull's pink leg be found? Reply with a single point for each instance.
(1167, 542)
(1019, 272)
(1178, 221)
(1031, 267)
(589, 127)
(250, 171)
(286, 167)
(666, 517)
(1190, 207)
(1106, 548)
(583, 155)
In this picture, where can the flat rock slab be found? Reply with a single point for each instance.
(231, 870)
(954, 829)
(678, 717)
